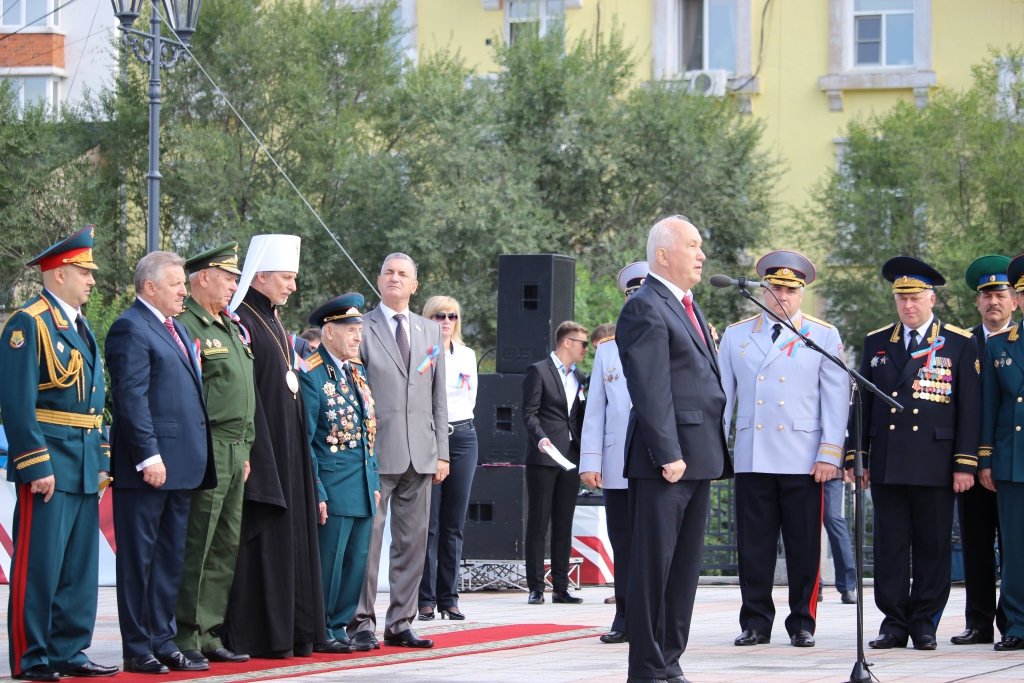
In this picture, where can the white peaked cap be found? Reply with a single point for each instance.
(267, 253)
(632, 276)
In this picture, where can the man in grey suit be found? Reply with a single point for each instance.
(401, 352)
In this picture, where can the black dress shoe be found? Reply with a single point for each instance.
(39, 672)
(195, 656)
(365, 641)
(335, 647)
(886, 641)
(92, 670)
(1009, 643)
(752, 637)
(972, 636)
(565, 597)
(145, 664)
(536, 598)
(179, 662)
(222, 654)
(614, 637)
(634, 679)
(802, 639)
(849, 598)
(679, 679)
(426, 616)
(925, 643)
(408, 639)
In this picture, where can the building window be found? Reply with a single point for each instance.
(18, 13)
(707, 35)
(35, 90)
(883, 32)
(533, 18)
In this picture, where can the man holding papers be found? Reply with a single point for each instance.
(553, 402)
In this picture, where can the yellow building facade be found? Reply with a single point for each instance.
(804, 67)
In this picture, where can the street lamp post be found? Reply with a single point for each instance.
(159, 53)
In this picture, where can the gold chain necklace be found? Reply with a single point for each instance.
(290, 377)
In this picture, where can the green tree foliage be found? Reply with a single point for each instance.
(560, 152)
(940, 184)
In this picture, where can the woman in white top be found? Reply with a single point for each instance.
(449, 500)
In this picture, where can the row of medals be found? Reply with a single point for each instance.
(932, 383)
(347, 420)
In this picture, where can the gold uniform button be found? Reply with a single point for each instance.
(94, 390)
(915, 411)
(780, 428)
(1018, 398)
(915, 428)
(892, 426)
(760, 402)
(89, 431)
(758, 426)
(892, 410)
(782, 379)
(1018, 429)
(761, 378)
(895, 393)
(782, 403)
(92, 410)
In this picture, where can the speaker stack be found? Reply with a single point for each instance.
(536, 293)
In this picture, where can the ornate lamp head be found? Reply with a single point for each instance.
(182, 15)
(126, 11)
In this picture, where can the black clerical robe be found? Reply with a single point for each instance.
(277, 596)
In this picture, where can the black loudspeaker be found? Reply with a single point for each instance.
(496, 521)
(499, 420)
(536, 294)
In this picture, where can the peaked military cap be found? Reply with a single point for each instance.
(224, 257)
(786, 268)
(632, 276)
(340, 309)
(75, 250)
(1015, 273)
(988, 273)
(909, 275)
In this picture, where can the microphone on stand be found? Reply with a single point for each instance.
(722, 281)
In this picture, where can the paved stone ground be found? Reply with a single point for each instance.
(710, 658)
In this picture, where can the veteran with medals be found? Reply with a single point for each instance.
(276, 604)
(342, 429)
(52, 397)
(215, 515)
(916, 460)
(792, 405)
(1001, 459)
(977, 508)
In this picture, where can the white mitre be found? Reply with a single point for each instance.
(267, 253)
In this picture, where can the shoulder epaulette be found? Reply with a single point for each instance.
(745, 320)
(959, 330)
(602, 341)
(314, 360)
(37, 308)
(816, 320)
(880, 329)
(1001, 332)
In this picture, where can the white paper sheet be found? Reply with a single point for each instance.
(559, 458)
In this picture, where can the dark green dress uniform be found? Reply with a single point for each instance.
(1002, 451)
(342, 427)
(215, 515)
(912, 455)
(52, 397)
(977, 507)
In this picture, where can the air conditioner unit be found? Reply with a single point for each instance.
(710, 82)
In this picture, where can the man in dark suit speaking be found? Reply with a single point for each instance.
(161, 449)
(675, 446)
(553, 396)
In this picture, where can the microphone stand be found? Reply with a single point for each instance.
(860, 673)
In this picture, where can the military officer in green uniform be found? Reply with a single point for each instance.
(342, 428)
(215, 515)
(1001, 458)
(52, 398)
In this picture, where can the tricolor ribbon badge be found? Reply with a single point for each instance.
(298, 362)
(929, 351)
(238, 321)
(789, 347)
(428, 362)
(464, 382)
(198, 349)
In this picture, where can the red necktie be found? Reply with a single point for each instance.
(174, 333)
(688, 305)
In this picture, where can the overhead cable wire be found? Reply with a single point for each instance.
(278, 167)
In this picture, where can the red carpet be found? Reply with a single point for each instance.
(453, 644)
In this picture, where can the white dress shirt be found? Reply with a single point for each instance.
(69, 311)
(152, 460)
(569, 383)
(676, 292)
(922, 333)
(989, 334)
(459, 362)
(390, 314)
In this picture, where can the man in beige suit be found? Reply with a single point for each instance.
(405, 369)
